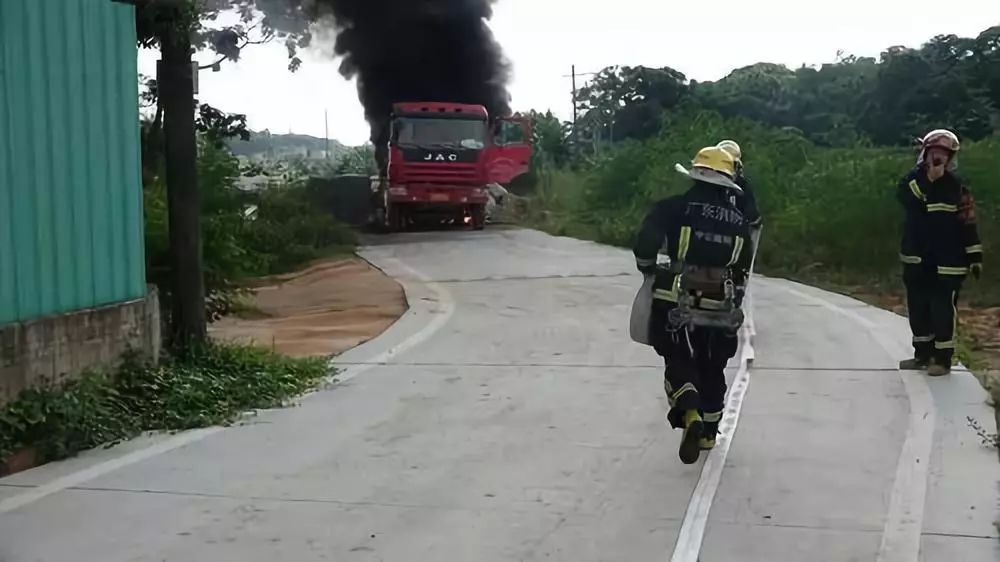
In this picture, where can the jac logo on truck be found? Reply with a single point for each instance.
(441, 157)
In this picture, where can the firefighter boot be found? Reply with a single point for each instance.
(690, 442)
(914, 364)
(710, 431)
(938, 369)
(944, 352)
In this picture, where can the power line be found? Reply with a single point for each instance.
(573, 75)
(581, 74)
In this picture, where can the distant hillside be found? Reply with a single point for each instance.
(268, 145)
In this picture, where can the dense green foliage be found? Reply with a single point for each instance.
(245, 234)
(357, 160)
(949, 82)
(210, 386)
(830, 213)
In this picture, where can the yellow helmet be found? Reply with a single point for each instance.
(716, 159)
(733, 148)
(713, 165)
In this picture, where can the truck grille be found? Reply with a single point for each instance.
(440, 173)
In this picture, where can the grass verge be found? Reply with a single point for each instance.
(212, 386)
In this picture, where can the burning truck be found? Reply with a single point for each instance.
(437, 160)
(433, 81)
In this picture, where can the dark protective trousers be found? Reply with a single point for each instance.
(931, 301)
(695, 374)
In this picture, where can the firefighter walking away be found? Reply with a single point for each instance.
(697, 296)
(940, 247)
(746, 201)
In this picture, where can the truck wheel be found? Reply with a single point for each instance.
(478, 217)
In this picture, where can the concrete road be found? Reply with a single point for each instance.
(508, 416)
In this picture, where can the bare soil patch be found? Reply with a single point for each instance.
(325, 309)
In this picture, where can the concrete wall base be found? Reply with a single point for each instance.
(52, 350)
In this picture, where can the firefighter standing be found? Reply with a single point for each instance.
(703, 229)
(940, 247)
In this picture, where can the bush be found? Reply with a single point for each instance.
(287, 229)
(210, 386)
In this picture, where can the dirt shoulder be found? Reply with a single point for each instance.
(324, 309)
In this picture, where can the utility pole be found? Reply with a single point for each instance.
(573, 74)
(574, 100)
(326, 137)
(176, 81)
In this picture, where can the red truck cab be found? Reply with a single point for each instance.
(441, 157)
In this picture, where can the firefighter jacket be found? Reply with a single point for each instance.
(702, 227)
(748, 202)
(939, 226)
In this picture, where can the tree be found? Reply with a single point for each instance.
(826, 101)
(551, 138)
(949, 82)
(177, 28)
(625, 102)
(928, 88)
(217, 126)
(762, 92)
(175, 89)
(357, 160)
(986, 62)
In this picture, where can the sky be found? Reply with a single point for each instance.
(545, 38)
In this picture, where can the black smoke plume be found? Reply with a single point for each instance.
(419, 50)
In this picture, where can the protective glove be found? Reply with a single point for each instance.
(977, 270)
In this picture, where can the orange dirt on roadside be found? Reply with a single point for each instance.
(325, 309)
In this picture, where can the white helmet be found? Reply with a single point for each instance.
(732, 148)
(939, 138)
(942, 138)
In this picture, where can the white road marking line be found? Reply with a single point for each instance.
(905, 519)
(692, 532)
(75, 479)
(441, 317)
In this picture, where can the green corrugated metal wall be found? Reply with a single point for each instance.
(71, 234)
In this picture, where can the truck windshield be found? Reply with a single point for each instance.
(423, 131)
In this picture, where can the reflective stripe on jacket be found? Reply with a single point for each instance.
(939, 225)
